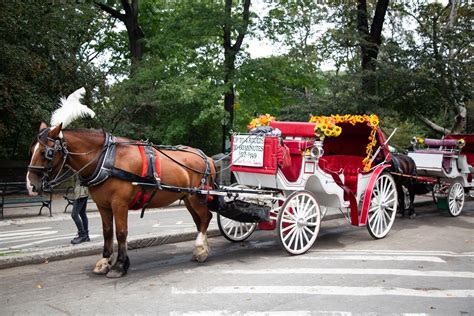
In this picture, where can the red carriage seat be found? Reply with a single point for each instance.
(468, 149)
(305, 133)
(346, 152)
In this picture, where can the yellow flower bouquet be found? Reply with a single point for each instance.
(261, 120)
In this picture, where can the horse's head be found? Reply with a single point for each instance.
(47, 156)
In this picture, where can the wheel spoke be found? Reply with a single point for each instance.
(288, 228)
(290, 233)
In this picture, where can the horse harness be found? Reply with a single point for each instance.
(150, 176)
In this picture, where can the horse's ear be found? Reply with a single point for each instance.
(55, 131)
(43, 126)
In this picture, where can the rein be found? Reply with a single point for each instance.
(60, 146)
(50, 152)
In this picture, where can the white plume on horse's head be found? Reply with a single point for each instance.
(71, 109)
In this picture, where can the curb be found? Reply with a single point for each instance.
(95, 248)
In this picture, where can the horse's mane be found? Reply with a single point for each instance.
(71, 109)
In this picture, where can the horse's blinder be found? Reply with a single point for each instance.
(48, 154)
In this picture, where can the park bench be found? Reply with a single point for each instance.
(70, 198)
(15, 194)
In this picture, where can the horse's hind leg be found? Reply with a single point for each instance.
(202, 218)
(401, 198)
(121, 265)
(103, 265)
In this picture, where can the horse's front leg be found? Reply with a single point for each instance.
(121, 265)
(103, 265)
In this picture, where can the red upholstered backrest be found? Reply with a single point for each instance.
(351, 165)
(295, 129)
(468, 149)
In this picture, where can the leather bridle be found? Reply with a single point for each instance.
(49, 153)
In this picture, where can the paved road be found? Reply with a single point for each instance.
(40, 233)
(424, 266)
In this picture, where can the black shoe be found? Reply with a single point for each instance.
(80, 239)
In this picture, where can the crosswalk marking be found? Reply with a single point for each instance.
(438, 253)
(368, 257)
(42, 241)
(266, 313)
(9, 232)
(328, 290)
(398, 272)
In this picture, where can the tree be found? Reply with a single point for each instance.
(370, 40)
(230, 54)
(130, 20)
(44, 54)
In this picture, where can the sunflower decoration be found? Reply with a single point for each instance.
(261, 120)
(325, 126)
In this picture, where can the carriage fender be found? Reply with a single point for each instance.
(368, 193)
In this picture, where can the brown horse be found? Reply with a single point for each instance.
(82, 151)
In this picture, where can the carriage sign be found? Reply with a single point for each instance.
(248, 150)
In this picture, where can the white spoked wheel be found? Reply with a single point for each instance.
(299, 220)
(233, 230)
(383, 206)
(455, 199)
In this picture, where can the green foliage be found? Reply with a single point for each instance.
(174, 95)
(43, 56)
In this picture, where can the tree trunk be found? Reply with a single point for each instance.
(230, 53)
(134, 31)
(370, 41)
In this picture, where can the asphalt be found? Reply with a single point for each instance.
(23, 217)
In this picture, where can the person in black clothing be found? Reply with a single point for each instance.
(79, 214)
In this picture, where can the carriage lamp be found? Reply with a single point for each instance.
(317, 151)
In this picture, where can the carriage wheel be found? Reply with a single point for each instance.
(383, 206)
(299, 220)
(233, 230)
(455, 199)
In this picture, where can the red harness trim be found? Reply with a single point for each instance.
(138, 202)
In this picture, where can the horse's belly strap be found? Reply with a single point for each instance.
(150, 170)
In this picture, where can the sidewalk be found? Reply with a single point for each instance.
(24, 239)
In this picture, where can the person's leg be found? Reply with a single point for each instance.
(82, 205)
(77, 209)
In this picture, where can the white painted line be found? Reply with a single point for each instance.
(371, 258)
(328, 290)
(156, 225)
(255, 313)
(44, 241)
(23, 230)
(179, 222)
(366, 272)
(27, 235)
(396, 252)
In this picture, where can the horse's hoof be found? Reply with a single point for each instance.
(412, 216)
(115, 273)
(102, 267)
(200, 254)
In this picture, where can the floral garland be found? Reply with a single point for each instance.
(261, 120)
(327, 126)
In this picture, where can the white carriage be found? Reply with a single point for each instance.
(300, 177)
(448, 165)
